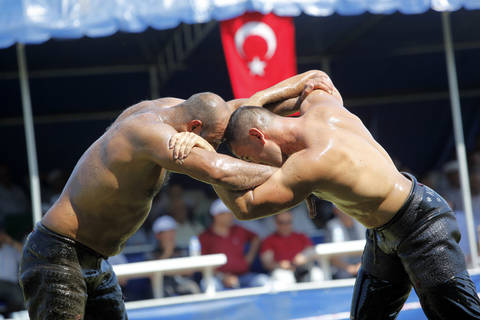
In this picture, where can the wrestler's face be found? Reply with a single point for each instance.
(215, 135)
(253, 150)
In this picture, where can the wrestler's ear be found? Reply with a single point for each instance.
(256, 134)
(195, 126)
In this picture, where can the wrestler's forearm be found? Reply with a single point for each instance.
(236, 174)
(221, 170)
(286, 89)
(235, 201)
(241, 203)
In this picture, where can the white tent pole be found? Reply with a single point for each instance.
(458, 130)
(29, 134)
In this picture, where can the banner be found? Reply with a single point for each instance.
(259, 50)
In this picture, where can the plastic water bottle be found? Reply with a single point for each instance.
(194, 246)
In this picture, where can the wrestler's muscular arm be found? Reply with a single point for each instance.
(287, 187)
(152, 138)
(282, 98)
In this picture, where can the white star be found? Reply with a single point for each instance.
(257, 67)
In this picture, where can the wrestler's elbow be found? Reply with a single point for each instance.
(244, 215)
(248, 209)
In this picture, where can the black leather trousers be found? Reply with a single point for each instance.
(419, 248)
(63, 279)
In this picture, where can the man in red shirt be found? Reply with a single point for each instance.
(225, 237)
(288, 254)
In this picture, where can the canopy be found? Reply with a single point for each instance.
(36, 21)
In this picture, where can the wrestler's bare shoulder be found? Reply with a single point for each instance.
(148, 106)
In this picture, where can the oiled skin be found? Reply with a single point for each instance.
(327, 151)
(110, 191)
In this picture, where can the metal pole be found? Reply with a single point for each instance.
(29, 134)
(458, 130)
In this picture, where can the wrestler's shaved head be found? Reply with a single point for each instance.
(208, 107)
(243, 119)
(211, 110)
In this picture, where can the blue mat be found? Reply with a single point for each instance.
(318, 304)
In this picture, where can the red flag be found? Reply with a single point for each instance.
(260, 51)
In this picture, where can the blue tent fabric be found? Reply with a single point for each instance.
(36, 21)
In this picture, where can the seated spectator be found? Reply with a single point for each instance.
(344, 228)
(164, 229)
(288, 254)
(12, 198)
(186, 227)
(301, 223)
(10, 292)
(225, 237)
(451, 186)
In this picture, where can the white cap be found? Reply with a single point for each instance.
(164, 223)
(218, 207)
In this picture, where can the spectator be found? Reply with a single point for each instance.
(12, 198)
(344, 228)
(10, 253)
(186, 227)
(164, 229)
(451, 187)
(225, 237)
(288, 254)
(301, 223)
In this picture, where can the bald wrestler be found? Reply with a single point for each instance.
(412, 237)
(64, 272)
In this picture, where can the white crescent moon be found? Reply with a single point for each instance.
(256, 28)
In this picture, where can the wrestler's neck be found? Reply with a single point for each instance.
(173, 118)
(289, 136)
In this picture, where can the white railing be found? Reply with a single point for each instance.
(325, 251)
(156, 269)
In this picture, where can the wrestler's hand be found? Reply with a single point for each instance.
(320, 82)
(183, 142)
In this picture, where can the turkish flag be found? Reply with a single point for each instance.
(259, 50)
